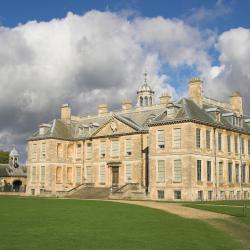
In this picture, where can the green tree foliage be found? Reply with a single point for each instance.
(4, 157)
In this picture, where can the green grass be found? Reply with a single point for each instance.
(33, 223)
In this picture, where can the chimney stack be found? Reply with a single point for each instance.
(65, 112)
(165, 98)
(126, 105)
(237, 103)
(195, 90)
(103, 109)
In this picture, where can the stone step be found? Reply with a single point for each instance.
(91, 193)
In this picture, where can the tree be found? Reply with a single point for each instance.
(4, 157)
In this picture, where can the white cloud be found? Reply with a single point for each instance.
(85, 59)
(233, 74)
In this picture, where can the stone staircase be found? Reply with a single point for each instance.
(90, 193)
(130, 191)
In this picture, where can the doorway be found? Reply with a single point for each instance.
(17, 185)
(115, 176)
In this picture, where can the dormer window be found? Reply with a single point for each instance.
(44, 128)
(218, 116)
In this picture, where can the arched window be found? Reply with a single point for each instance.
(70, 151)
(59, 150)
(146, 101)
(59, 175)
(69, 175)
(150, 100)
(141, 101)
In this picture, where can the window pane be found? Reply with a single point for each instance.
(177, 138)
(161, 171)
(177, 171)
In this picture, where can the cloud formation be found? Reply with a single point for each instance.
(84, 60)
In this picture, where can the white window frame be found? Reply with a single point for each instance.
(161, 179)
(43, 150)
(128, 172)
(78, 174)
(42, 174)
(115, 152)
(176, 142)
(160, 138)
(102, 149)
(89, 149)
(102, 173)
(128, 147)
(175, 170)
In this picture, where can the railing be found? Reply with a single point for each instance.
(122, 188)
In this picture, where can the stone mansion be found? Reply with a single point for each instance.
(193, 149)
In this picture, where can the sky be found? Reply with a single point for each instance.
(86, 52)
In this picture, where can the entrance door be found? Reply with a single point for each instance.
(115, 176)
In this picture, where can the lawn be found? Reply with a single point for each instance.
(38, 223)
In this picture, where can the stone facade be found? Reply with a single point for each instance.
(196, 148)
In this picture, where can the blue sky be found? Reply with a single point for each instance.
(13, 12)
(82, 52)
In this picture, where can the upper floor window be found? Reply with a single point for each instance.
(209, 171)
(236, 146)
(161, 171)
(43, 150)
(59, 150)
(128, 147)
(115, 148)
(176, 138)
(208, 139)
(34, 151)
(177, 171)
(33, 174)
(70, 151)
(198, 137)
(242, 146)
(220, 141)
(79, 151)
(59, 175)
(244, 173)
(248, 146)
(229, 143)
(237, 173)
(89, 150)
(221, 172)
(102, 149)
(230, 179)
(160, 139)
(199, 173)
(42, 175)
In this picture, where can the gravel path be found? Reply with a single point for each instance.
(178, 209)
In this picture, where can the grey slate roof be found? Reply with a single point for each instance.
(141, 119)
(7, 171)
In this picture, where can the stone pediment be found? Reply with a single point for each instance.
(116, 125)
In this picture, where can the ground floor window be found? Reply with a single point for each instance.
(177, 195)
(222, 195)
(160, 194)
(210, 195)
(231, 195)
(245, 194)
(32, 191)
(200, 195)
(238, 195)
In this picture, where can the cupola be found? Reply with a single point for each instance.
(145, 94)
